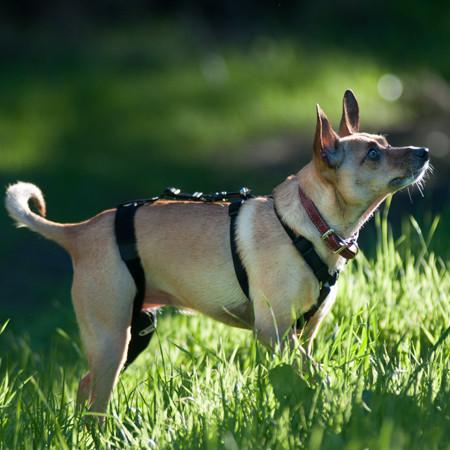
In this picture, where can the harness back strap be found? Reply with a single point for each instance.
(143, 323)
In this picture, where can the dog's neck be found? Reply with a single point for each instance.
(344, 219)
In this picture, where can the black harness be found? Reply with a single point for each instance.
(143, 323)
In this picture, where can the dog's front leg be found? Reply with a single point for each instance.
(276, 315)
(272, 322)
(312, 327)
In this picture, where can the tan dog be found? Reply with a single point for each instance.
(185, 247)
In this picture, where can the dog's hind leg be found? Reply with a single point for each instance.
(103, 308)
(106, 361)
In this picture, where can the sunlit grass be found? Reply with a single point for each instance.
(381, 381)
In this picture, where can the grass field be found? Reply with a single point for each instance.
(382, 380)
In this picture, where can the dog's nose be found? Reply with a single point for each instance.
(421, 152)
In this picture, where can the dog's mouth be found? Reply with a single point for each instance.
(413, 177)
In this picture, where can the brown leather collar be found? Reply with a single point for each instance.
(347, 248)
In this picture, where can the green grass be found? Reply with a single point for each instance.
(382, 380)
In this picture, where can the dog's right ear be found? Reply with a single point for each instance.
(325, 141)
(350, 115)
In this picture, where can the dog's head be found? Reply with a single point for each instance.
(363, 167)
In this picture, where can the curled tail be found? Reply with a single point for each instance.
(18, 198)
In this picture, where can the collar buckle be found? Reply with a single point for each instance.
(340, 249)
(327, 234)
(350, 245)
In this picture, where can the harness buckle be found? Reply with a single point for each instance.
(172, 191)
(244, 192)
(147, 330)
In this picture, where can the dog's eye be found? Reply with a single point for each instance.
(373, 154)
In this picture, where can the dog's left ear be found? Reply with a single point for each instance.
(350, 115)
(326, 142)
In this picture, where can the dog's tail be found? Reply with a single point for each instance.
(18, 198)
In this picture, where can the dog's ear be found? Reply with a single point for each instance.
(350, 115)
(326, 141)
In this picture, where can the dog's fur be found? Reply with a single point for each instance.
(185, 248)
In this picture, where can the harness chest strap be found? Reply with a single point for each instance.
(306, 248)
(239, 269)
(303, 246)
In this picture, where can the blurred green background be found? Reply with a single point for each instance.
(105, 101)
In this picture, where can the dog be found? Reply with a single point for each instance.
(184, 247)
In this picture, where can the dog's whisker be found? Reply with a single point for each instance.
(409, 195)
(419, 187)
